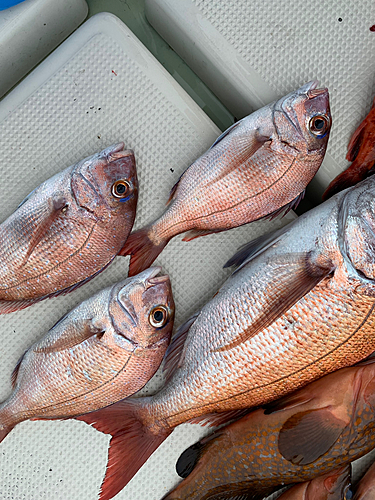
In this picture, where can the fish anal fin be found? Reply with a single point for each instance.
(294, 276)
(287, 402)
(54, 208)
(197, 233)
(174, 189)
(308, 435)
(174, 351)
(131, 445)
(73, 334)
(216, 419)
(13, 377)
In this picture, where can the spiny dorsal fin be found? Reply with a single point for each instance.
(173, 355)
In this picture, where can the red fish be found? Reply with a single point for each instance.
(361, 151)
(68, 229)
(259, 167)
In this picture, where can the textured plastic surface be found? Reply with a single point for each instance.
(30, 31)
(99, 87)
(250, 53)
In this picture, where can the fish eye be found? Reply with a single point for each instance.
(158, 316)
(319, 125)
(120, 188)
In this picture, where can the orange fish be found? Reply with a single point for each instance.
(105, 349)
(300, 305)
(361, 151)
(316, 431)
(259, 167)
(68, 229)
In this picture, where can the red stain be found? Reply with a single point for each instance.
(372, 27)
(116, 73)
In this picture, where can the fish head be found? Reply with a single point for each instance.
(106, 182)
(302, 118)
(142, 308)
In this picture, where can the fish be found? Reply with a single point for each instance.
(365, 489)
(361, 151)
(334, 485)
(104, 350)
(316, 431)
(68, 229)
(299, 305)
(259, 167)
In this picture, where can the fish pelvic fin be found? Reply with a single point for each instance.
(142, 250)
(131, 445)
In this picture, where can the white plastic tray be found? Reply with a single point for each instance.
(30, 31)
(99, 87)
(250, 53)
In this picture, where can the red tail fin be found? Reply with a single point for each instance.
(131, 445)
(142, 250)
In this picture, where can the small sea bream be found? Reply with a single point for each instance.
(68, 229)
(300, 305)
(257, 168)
(102, 351)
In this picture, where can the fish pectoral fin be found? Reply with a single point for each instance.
(53, 209)
(308, 435)
(174, 351)
(73, 334)
(225, 133)
(290, 277)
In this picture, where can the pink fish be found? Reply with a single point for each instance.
(105, 349)
(257, 168)
(68, 229)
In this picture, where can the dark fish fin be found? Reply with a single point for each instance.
(131, 444)
(216, 419)
(189, 459)
(287, 402)
(294, 276)
(286, 208)
(249, 251)
(308, 435)
(13, 377)
(225, 133)
(174, 351)
(174, 188)
(55, 206)
(75, 333)
(142, 250)
(196, 233)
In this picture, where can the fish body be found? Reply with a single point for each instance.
(257, 168)
(68, 229)
(300, 305)
(365, 489)
(316, 431)
(361, 151)
(105, 349)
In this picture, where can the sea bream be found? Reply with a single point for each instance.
(257, 168)
(105, 349)
(68, 229)
(300, 305)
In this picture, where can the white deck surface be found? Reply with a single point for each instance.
(99, 87)
(30, 31)
(250, 53)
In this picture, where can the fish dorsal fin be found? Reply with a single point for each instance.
(70, 335)
(225, 133)
(308, 435)
(13, 377)
(291, 277)
(174, 351)
(246, 253)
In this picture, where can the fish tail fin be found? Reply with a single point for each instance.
(142, 250)
(131, 445)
